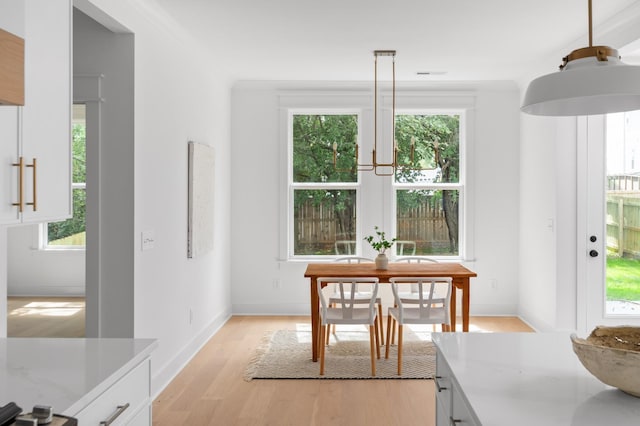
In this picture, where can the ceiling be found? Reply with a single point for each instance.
(335, 39)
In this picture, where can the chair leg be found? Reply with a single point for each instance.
(386, 352)
(372, 344)
(400, 333)
(332, 305)
(323, 331)
(381, 330)
(393, 331)
(377, 338)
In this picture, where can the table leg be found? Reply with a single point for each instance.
(453, 307)
(315, 318)
(465, 304)
(462, 284)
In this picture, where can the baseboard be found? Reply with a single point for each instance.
(45, 291)
(170, 370)
(286, 309)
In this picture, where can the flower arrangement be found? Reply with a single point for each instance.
(381, 244)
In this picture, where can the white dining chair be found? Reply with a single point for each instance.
(429, 306)
(362, 294)
(350, 310)
(414, 288)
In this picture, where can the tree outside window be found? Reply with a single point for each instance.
(324, 187)
(70, 233)
(324, 196)
(428, 195)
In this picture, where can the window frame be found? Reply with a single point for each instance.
(43, 231)
(459, 186)
(293, 186)
(410, 99)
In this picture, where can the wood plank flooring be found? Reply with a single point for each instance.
(45, 316)
(211, 390)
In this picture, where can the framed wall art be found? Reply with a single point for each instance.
(201, 192)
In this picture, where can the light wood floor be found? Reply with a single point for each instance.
(210, 390)
(45, 317)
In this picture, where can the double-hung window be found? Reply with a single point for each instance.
(323, 198)
(429, 197)
(331, 206)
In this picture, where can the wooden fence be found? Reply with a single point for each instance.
(317, 229)
(623, 223)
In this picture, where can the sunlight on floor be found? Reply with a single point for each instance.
(361, 332)
(48, 309)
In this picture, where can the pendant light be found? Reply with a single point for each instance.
(592, 80)
(378, 167)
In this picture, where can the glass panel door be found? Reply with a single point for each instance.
(610, 149)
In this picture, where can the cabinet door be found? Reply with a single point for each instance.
(460, 411)
(9, 152)
(46, 119)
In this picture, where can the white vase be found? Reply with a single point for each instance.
(382, 261)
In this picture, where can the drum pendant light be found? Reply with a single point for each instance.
(591, 80)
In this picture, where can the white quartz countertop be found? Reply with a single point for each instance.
(532, 379)
(65, 374)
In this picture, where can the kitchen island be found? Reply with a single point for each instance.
(90, 379)
(522, 379)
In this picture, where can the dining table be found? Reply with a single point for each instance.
(459, 274)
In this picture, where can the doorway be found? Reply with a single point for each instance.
(609, 241)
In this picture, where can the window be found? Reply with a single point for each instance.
(323, 197)
(428, 199)
(70, 233)
(330, 208)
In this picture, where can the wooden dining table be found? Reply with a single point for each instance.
(456, 271)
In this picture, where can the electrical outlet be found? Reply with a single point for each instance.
(276, 283)
(494, 284)
(190, 316)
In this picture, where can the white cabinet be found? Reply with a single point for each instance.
(83, 378)
(39, 133)
(126, 402)
(451, 407)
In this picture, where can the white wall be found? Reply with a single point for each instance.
(34, 272)
(538, 225)
(179, 96)
(255, 177)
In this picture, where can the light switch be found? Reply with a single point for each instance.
(148, 239)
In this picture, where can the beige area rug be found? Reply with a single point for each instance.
(286, 354)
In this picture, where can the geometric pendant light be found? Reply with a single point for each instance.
(592, 80)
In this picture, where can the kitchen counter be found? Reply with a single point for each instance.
(66, 374)
(525, 379)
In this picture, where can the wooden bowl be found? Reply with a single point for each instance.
(612, 354)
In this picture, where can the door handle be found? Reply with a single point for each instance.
(593, 253)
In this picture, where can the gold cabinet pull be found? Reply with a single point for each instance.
(20, 166)
(33, 203)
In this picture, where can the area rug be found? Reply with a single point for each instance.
(286, 354)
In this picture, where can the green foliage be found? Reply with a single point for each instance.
(436, 141)
(437, 149)
(79, 153)
(381, 244)
(313, 139)
(75, 225)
